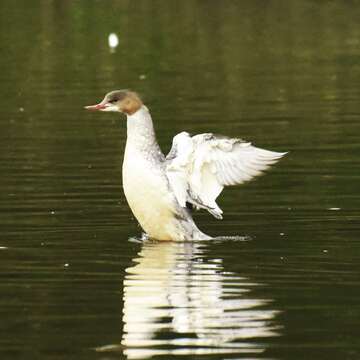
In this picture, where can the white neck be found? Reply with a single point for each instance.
(141, 133)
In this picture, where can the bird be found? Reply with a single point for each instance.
(162, 191)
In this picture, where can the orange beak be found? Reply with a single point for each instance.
(96, 107)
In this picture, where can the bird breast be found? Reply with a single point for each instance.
(147, 192)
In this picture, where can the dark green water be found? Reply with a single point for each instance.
(285, 75)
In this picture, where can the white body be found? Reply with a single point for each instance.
(147, 194)
(147, 188)
(195, 171)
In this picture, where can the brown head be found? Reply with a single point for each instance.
(124, 101)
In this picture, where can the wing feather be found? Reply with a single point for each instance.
(199, 167)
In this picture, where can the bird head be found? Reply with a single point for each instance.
(124, 101)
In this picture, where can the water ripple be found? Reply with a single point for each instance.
(174, 289)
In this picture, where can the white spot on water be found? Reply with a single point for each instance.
(66, 265)
(334, 209)
(3, 247)
(142, 77)
(217, 261)
(113, 41)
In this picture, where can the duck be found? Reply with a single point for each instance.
(162, 191)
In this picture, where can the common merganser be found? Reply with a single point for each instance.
(161, 190)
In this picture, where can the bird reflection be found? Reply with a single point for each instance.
(177, 301)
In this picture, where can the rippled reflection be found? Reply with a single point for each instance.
(178, 301)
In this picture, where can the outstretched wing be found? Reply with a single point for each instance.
(199, 167)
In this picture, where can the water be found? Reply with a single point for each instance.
(283, 75)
